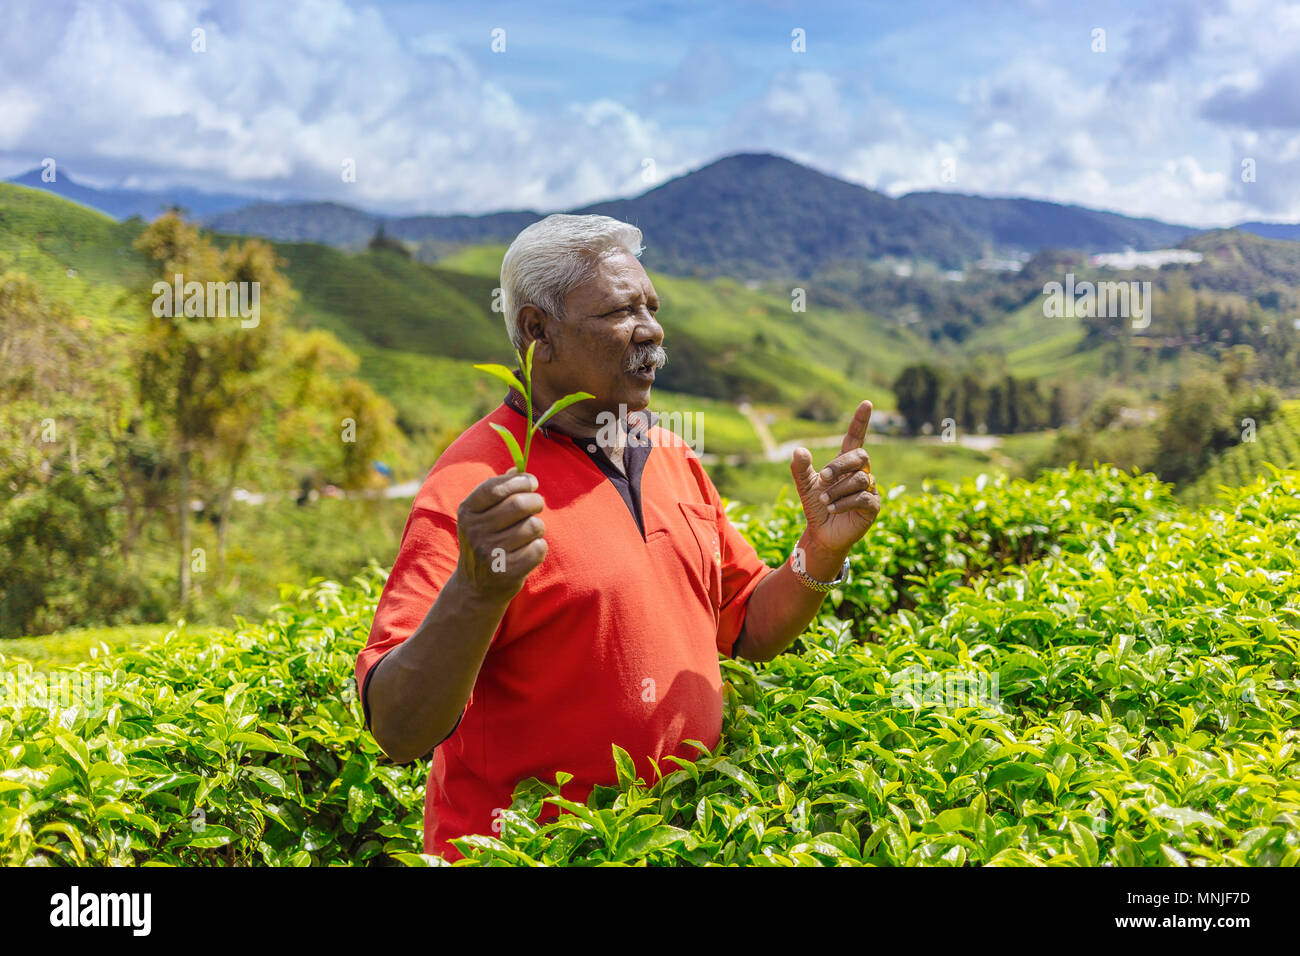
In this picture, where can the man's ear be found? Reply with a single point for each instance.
(536, 326)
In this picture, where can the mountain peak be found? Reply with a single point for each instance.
(751, 161)
(770, 164)
(32, 178)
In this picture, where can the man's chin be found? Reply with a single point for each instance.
(636, 395)
(639, 399)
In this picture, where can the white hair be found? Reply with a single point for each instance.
(552, 257)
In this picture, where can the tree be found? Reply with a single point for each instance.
(330, 422)
(374, 430)
(999, 405)
(1238, 362)
(253, 364)
(381, 241)
(818, 406)
(60, 532)
(1197, 420)
(203, 371)
(974, 402)
(1106, 410)
(918, 389)
(1031, 408)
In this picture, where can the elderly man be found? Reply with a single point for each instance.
(532, 620)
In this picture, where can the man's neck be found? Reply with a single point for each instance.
(583, 433)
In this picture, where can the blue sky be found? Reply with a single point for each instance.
(590, 101)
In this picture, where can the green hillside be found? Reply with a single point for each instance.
(417, 327)
(1037, 346)
(716, 324)
(75, 254)
(1276, 443)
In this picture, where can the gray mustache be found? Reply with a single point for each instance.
(654, 355)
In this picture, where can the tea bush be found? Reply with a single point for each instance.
(1074, 671)
(245, 748)
(1276, 444)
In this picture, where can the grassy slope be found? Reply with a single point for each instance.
(1276, 443)
(45, 237)
(1038, 346)
(415, 326)
(389, 302)
(82, 644)
(842, 351)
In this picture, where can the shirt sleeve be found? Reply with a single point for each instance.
(742, 570)
(425, 560)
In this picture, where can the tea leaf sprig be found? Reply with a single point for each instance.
(519, 455)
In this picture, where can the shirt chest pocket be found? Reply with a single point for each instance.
(707, 555)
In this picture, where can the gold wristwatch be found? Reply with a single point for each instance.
(822, 586)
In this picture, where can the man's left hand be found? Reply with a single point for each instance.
(841, 501)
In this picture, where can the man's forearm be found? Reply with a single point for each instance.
(782, 605)
(418, 690)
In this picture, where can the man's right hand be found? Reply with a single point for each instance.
(500, 535)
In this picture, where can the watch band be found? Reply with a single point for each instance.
(822, 586)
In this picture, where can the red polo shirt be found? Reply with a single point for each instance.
(614, 638)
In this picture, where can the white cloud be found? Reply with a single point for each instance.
(278, 102)
(280, 99)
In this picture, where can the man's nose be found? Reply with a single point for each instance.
(648, 328)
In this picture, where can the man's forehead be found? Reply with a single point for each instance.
(617, 275)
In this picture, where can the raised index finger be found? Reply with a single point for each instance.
(857, 432)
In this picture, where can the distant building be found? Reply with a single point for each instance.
(1130, 417)
(1132, 259)
(999, 265)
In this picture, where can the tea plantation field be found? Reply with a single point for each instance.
(1276, 444)
(1073, 671)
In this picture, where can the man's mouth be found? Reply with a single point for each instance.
(653, 360)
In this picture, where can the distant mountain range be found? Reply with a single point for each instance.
(751, 215)
(1031, 225)
(346, 226)
(124, 203)
(1272, 230)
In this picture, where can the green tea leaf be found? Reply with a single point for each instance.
(515, 451)
(268, 780)
(561, 404)
(505, 375)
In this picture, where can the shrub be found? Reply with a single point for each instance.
(245, 749)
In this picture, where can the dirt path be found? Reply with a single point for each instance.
(782, 452)
(760, 428)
